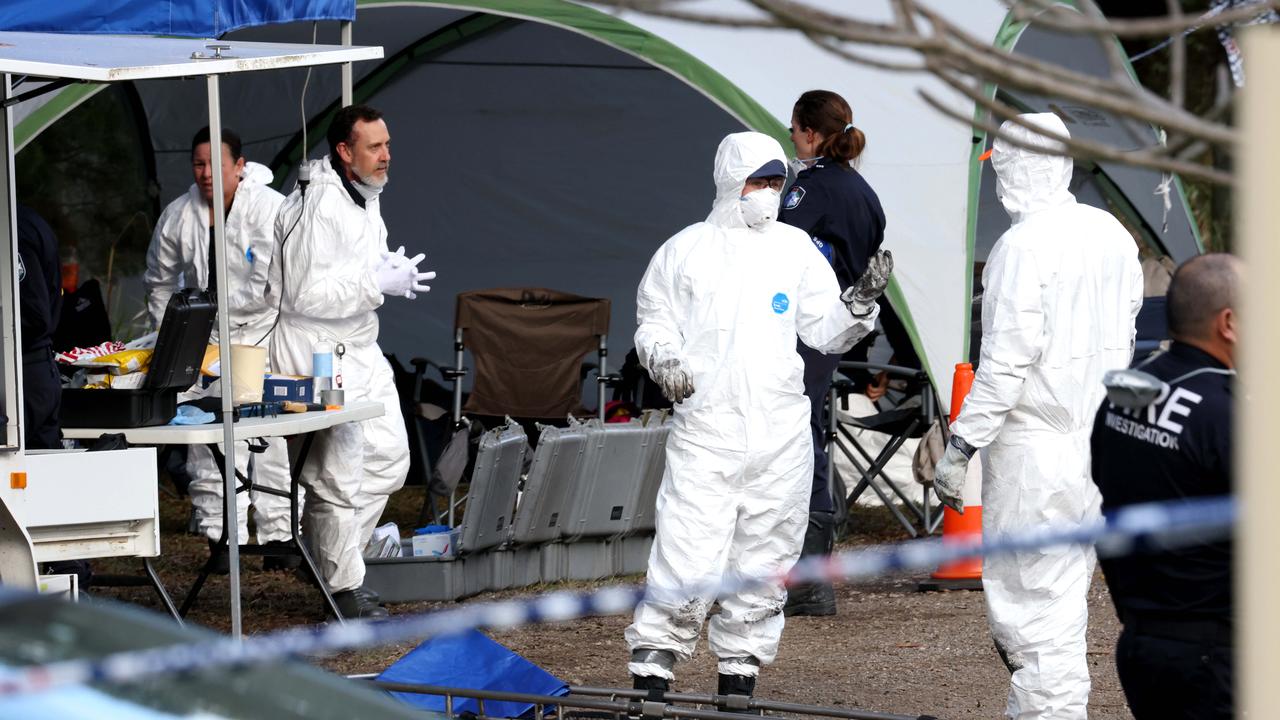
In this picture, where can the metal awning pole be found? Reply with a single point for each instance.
(231, 520)
(1257, 389)
(347, 93)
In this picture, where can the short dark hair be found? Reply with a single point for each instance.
(229, 138)
(344, 121)
(1201, 288)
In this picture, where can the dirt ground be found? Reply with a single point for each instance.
(889, 648)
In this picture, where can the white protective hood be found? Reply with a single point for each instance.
(739, 155)
(1026, 180)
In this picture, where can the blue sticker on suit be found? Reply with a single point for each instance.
(780, 303)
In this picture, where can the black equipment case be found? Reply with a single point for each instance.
(175, 366)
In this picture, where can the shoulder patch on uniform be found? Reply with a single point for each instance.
(780, 303)
(794, 196)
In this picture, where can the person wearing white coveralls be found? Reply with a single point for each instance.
(1062, 290)
(180, 256)
(719, 310)
(335, 273)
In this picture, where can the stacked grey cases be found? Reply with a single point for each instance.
(586, 510)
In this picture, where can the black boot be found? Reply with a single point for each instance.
(355, 604)
(221, 560)
(817, 598)
(654, 685)
(740, 687)
(273, 563)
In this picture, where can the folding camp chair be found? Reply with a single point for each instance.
(528, 346)
(911, 418)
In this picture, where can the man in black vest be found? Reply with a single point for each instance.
(1174, 655)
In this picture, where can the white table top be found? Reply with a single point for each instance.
(280, 426)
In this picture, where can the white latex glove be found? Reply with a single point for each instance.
(949, 474)
(396, 258)
(860, 297)
(674, 379)
(398, 275)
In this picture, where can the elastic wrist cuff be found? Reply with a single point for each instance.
(959, 443)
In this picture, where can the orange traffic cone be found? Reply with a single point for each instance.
(965, 573)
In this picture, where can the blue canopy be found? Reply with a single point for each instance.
(189, 18)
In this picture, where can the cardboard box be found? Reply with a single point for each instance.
(439, 545)
(277, 388)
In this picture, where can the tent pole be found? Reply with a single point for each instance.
(10, 317)
(1256, 581)
(230, 519)
(347, 94)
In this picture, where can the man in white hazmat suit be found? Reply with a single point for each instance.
(330, 276)
(719, 311)
(181, 255)
(1061, 292)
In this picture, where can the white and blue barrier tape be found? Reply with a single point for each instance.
(1153, 526)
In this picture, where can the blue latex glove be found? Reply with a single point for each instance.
(192, 415)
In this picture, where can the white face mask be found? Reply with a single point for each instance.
(760, 208)
(799, 165)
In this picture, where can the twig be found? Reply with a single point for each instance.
(1049, 14)
(1083, 149)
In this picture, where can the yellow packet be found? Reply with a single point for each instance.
(124, 362)
(210, 357)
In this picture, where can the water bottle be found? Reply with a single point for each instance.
(321, 367)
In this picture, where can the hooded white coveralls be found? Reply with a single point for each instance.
(330, 292)
(1062, 290)
(729, 301)
(179, 257)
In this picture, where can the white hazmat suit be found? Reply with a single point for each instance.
(1062, 289)
(332, 241)
(727, 302)
(179, 257)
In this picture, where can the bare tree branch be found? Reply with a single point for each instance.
(1052, 15)
(1126, 99)
(1177, 59)
(1087, 150)
(1115, 59)
(951, 52)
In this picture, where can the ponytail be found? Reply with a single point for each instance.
(828, 114)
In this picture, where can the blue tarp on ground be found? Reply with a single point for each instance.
(191, 18)
(471, 660)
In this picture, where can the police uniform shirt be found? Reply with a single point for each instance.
(39, 281)
(1177, 448)
(840, 212)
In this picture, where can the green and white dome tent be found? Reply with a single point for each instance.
(553, 143)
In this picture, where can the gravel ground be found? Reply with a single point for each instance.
(889, 648)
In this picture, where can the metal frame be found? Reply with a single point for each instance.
(622, 704)
(868, 467)
(11, 342)
(138, 58)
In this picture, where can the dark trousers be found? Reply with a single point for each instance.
(1168, 678)
(41, 400)
(818, 369)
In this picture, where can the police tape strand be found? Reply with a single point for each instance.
(1132, 529)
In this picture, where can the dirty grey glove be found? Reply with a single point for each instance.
(950, 472)
(860, 297)
(674, 379)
